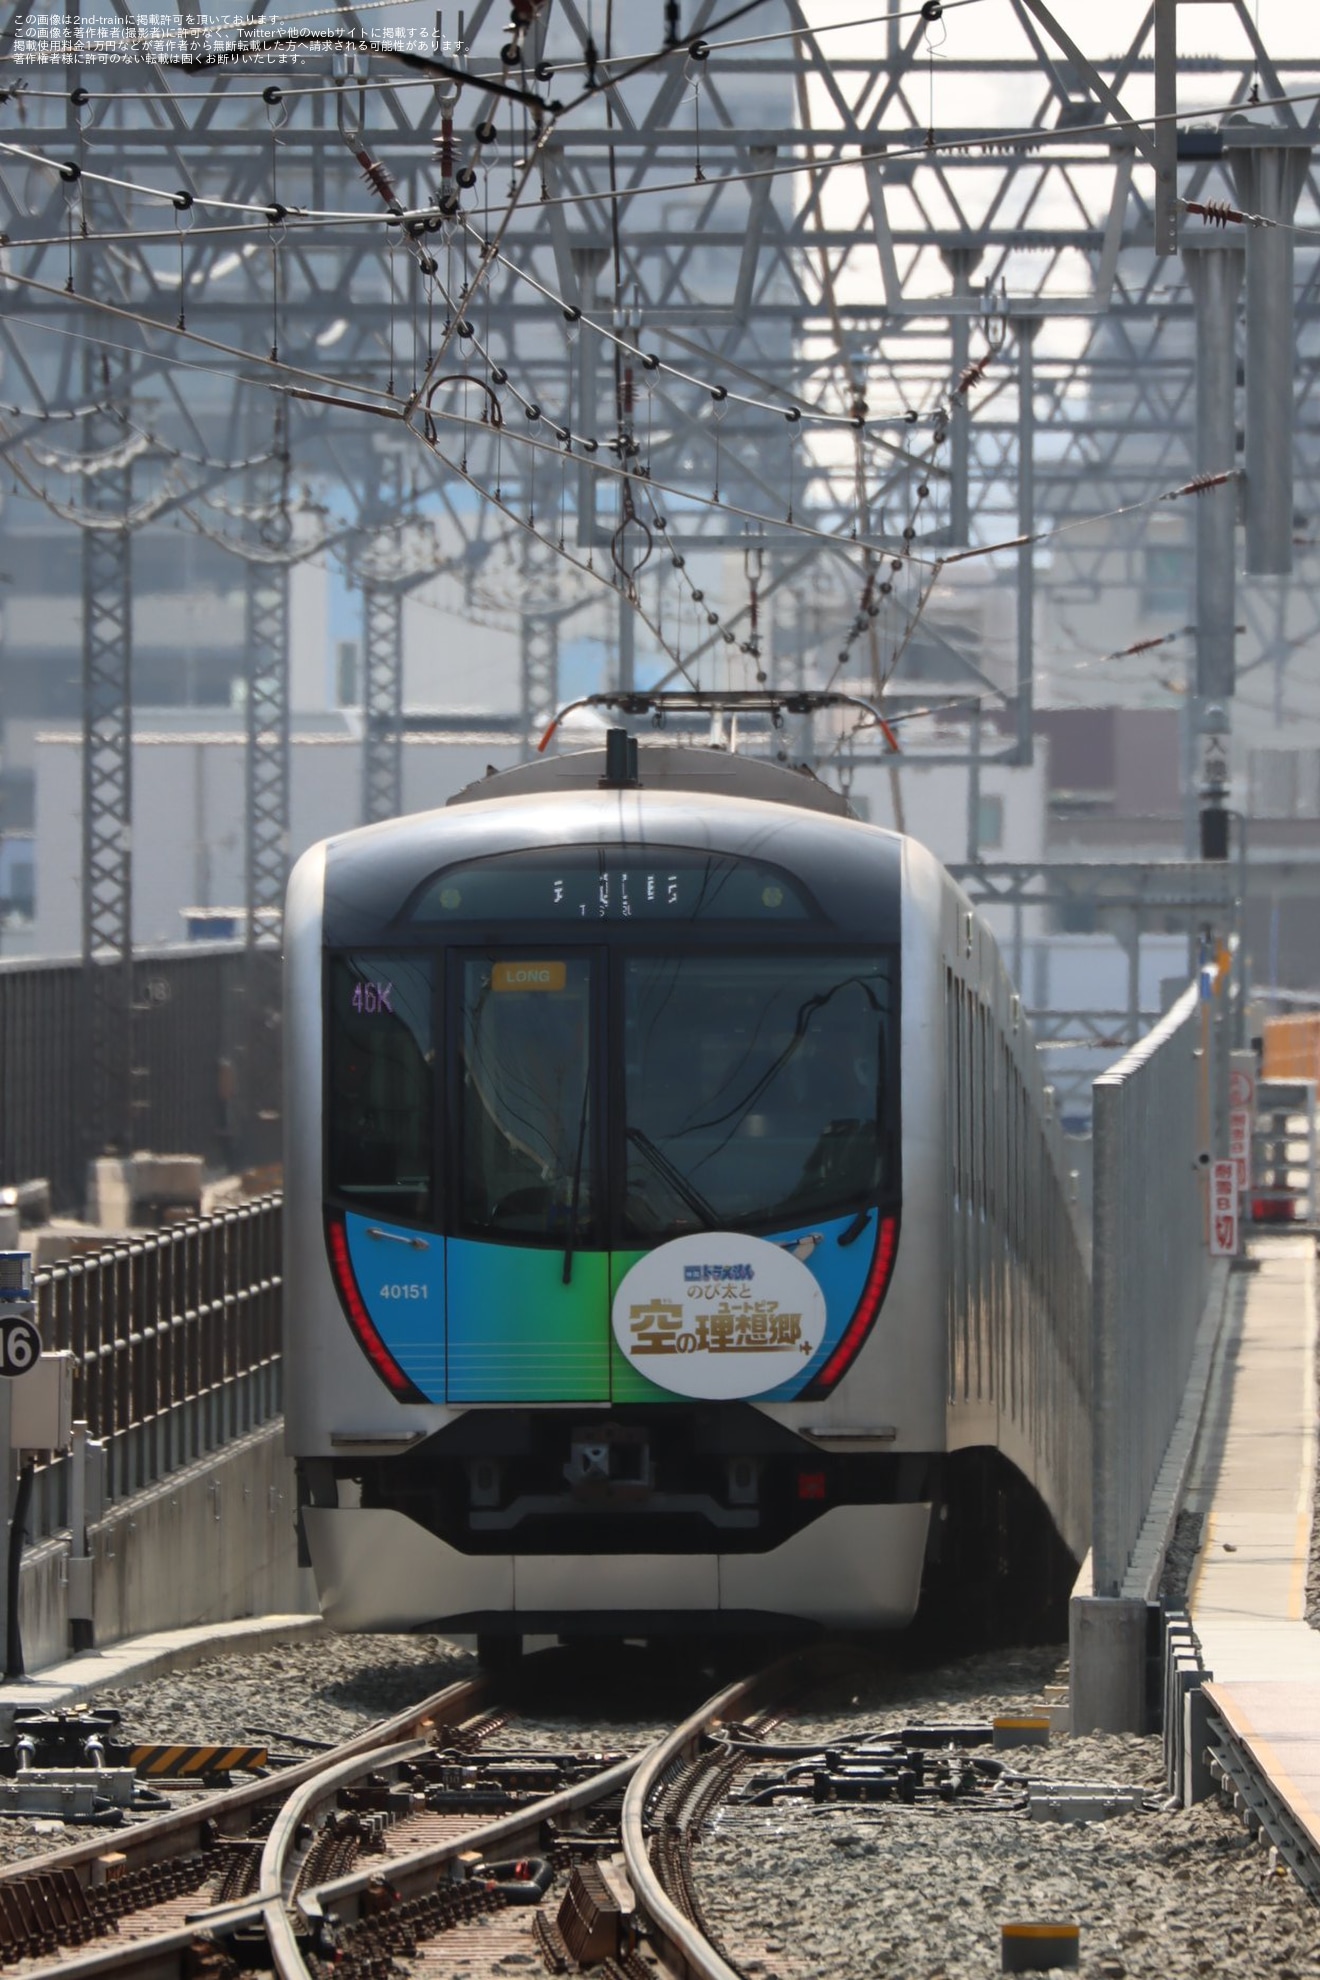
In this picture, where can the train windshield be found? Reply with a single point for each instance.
(754, 1090)
(525, 1160)
(598, 1098)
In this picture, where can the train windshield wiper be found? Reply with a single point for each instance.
(678, 1182)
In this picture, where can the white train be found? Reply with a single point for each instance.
(678, 1231)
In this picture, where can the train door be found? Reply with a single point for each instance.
(527, 1275)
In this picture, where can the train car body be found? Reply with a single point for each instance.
(671, 1195)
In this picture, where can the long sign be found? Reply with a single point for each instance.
(1223, 1209)
(1241, 1109)
(1239, 1144)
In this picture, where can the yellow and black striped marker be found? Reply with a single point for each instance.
(183, 1763)
(1035, 1948)
(1026, 1729)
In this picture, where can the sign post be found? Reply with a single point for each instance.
(20, 1349)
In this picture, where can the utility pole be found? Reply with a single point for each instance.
(1268, 178)
(1027, 327)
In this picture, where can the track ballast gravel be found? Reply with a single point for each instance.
(840, 1892)
(326, 1688)
(322, 1687)
(853, 1893)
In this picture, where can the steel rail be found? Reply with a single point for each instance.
(143, 1838)
(283, 1838)
(182, 1831)
(163, 1956)
(410, 1872)
(270, 1897)
(518, 1832)
(697, 1958)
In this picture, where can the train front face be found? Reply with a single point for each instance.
(595, 1185)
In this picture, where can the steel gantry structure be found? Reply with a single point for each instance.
(631, 290)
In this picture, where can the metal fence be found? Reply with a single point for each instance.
(1155, 1115)
(205, 1052)
(176, 1344)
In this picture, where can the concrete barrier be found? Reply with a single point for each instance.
(210, 1543)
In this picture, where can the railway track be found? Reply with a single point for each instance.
(85, 1908)
(435, 1842)
(449, 1843)
(607, 1906)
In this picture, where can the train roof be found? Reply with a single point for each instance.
(709, 771)
(376, 877)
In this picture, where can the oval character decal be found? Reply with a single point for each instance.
(719, 1316)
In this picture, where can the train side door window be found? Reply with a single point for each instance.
(526, 1100)
(382, 1061)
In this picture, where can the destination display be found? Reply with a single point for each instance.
(665, 886)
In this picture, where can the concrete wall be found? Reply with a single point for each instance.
(210, 1544)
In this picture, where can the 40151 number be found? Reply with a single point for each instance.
(405, 1292)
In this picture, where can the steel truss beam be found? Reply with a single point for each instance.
(1151, 885)
(266, 823)
(107, 759)
(382, 702)
(540, 613)
(799, 287)
(267, 632)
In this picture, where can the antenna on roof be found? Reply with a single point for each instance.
(620, 761)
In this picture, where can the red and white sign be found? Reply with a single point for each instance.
(1239, 1143)
(1223, 1209)
(1241, 1088)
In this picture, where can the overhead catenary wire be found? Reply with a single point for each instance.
(602, 329)
(586, 569)
(933, 566)
(978, 550)
(266, 212)
(793, 410)
(395, 408)
(1039, 141)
